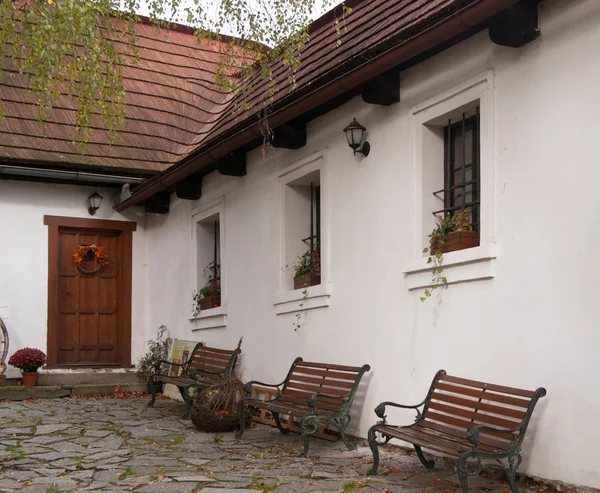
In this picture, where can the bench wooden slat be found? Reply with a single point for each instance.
(214, 356)
(315, 388)
(301, 399)
(482, 406)
(208, 363)
(323, 381)
(489, 386)
(355, 369)
(211, 349)
(431, 416)
(325, 373)
(483, 394)
(473, 415)
(461, 433)
(284, 407)
(427, 439)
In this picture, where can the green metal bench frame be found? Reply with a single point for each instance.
(195, 374)
(306, 404)
(475, 449)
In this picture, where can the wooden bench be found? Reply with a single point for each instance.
(473, 421)
(316, 393)
(205, 366)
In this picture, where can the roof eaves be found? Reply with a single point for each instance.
(436, 32)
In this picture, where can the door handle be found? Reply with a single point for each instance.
(67, 291)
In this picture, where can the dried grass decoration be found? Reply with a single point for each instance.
(215, 409)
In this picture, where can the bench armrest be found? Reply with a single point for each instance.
(248, 386)
(473, 433)
(380, 410)
(163, 361)
(312, 401)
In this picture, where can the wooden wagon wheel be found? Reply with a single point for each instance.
(3, 346)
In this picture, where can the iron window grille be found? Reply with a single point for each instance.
(461, 169)
(314, 240)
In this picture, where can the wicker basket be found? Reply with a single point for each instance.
(215, 408)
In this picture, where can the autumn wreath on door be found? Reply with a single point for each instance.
(97, 252)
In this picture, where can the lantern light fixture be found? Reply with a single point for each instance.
(355, 133)
(95, 202)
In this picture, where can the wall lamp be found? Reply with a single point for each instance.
(355, 133)
(95, 201)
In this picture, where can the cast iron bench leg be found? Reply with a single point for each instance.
(187, 397)
(514, 462)
(284, 431)
(341, 424)
(152, 390)
(374, 449)
(240, 410)
(427, 463)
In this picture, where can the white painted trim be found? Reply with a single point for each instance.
(210, 319)
(479, 88)
(314, 162)
(461, 266)
(316, 297)
(199, 213)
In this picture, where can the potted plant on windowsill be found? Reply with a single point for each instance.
(210, 295)
(453, 232)
(28, 360)
(307, 270)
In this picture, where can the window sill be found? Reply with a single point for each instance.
(213, 318)
(471, 264)
(316, 297)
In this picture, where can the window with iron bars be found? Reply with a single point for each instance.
(461, 168)
(314, 239)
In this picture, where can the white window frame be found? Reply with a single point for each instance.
(214, 317)
(473, 263)
(287, 301)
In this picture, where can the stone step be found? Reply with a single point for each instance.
(19, 393)
(87, 377)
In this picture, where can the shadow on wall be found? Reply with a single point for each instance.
(358, 406)
(532, 431)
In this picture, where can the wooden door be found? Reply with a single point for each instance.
(89, 322)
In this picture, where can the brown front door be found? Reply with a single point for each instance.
(89, 307)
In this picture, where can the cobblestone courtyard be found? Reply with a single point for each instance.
(113, 445)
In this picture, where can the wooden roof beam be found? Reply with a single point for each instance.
(158, 203)
(383, 89)
(189, 188)
(290, 135)
(233, 164)
(517, 25)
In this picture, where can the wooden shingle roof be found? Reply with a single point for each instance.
(171, 100)
(179, 124)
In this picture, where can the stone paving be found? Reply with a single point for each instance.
(112, 445)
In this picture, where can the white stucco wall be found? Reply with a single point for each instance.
(534, 324)
(24, 257)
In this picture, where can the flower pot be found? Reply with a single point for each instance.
(459, 240)
(210, 302)
(30, 378)
(312, 279)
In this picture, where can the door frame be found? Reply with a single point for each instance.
(126, 229)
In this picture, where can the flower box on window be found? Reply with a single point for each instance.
(307, 270)
(306, 280)
(210, 302)
(457, 240)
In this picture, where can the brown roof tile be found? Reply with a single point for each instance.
(170, 96)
